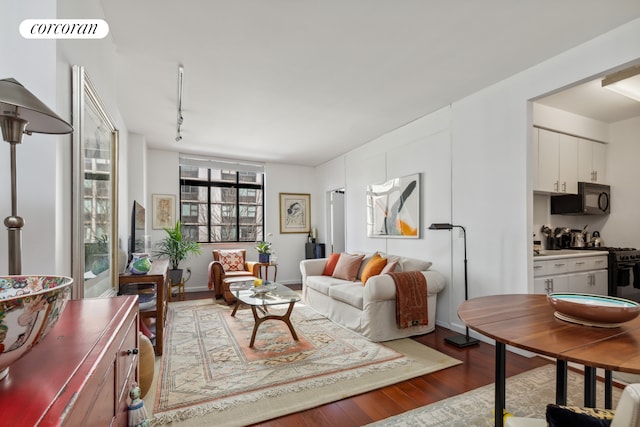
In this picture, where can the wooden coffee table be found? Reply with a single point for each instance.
(259, 298)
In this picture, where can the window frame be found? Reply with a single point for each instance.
(238, 185)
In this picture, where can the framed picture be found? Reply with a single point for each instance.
(393, 208)
(295, 213)
(164, 211)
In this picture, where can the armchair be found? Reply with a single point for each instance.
(627, 414)
(229, 264)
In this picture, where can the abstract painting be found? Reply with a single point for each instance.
(393, 208)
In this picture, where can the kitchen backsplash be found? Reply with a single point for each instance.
(542, 216)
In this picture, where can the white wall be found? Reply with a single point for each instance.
(163, 178)
(491, 175)
(622, 228)
(33, 64)
(492, 172)
(44, 161)
(423, 147)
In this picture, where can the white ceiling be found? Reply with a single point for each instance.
(304, 81)
(592, 100)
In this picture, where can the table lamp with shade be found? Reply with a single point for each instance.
(22, 112)
(459, 340)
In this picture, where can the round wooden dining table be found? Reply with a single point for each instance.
(527, 321)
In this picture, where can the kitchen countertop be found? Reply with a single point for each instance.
(567, 253)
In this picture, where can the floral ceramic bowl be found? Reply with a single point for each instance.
(29, 307)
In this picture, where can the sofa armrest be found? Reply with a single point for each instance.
(312, 267)
(382, 287)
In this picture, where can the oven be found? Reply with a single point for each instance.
(624, 273)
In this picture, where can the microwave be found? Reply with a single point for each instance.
(592, 199)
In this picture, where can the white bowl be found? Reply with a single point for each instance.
(29, 307)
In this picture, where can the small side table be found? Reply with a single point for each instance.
(179, 290)
(265, 266)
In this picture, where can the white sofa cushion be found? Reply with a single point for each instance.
(323, 283)
(349, 293)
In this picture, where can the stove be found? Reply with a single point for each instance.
(624, 273)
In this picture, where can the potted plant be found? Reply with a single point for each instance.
(175, 247)
(264, 250)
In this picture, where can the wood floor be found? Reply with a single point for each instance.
(476, 370)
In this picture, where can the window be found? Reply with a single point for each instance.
(221, 205)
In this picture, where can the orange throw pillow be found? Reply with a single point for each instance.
(373, 268)
(331, 265)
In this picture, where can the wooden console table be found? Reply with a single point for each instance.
(82, 371)
(158, 276)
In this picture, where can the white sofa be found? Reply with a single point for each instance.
(368, 310)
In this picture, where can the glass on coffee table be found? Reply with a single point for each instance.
(260, 297)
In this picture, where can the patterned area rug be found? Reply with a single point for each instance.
(527, 396)
(209, 375)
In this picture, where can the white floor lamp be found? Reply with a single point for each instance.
(459, 340)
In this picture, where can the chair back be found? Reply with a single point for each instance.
(216, 253)
(628, 409)
(239, 265)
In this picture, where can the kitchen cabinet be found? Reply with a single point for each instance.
(557, 162)
(591, 161)
(586, 274)
(590, 282)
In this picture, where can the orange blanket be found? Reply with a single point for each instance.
(411, 299)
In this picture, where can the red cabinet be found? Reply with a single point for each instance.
(80, 374)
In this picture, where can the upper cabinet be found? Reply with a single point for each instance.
(562, 160)
(591, 161)
(557, 162)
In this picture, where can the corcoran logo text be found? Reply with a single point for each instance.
(64, 28)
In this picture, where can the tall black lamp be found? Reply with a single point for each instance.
(21, 112)
(458, 340)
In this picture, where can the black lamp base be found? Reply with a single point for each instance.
(461, 341)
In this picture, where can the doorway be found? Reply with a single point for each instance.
(336, 232)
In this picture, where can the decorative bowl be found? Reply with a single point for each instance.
(29, 307)
(140, 264)
(599, 310)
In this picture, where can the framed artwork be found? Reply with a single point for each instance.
(164, 211)
(95, 192)
(295, 213)
(393, 208)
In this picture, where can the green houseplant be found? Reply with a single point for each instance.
(177, 248)
(264, 250)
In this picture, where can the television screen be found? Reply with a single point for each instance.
(137, 229)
